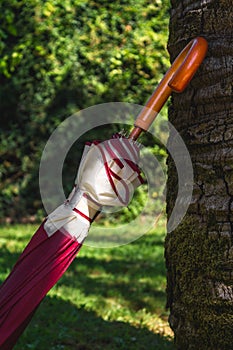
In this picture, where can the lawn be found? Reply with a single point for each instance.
(109, 299)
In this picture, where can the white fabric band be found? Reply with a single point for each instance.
(72, 220)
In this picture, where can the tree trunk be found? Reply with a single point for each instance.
(199, 252)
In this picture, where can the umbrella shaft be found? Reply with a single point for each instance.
(135, 133)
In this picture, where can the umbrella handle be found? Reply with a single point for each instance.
(176, 79)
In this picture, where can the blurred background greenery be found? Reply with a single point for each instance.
(60, 56)
(56, 58)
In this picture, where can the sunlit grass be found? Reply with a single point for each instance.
(108, 299)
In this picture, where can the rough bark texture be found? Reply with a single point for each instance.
(199, 253)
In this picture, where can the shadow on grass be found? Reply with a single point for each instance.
(59, 324)
(128, 279)
(134, 273)
(7, 261)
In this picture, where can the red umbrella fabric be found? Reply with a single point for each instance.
(108, 175)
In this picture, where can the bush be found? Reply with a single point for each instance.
(59, 56)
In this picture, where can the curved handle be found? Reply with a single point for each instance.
(176, 79)
(186, 64)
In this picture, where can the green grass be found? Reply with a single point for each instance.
(108, 299)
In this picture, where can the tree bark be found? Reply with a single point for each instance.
(199, 252)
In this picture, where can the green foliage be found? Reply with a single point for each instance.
(108, 299)
(59, 56)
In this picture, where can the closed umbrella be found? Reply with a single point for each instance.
(108, 175)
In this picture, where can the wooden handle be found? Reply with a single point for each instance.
(176, 79)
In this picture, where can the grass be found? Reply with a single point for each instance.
(108, 299)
